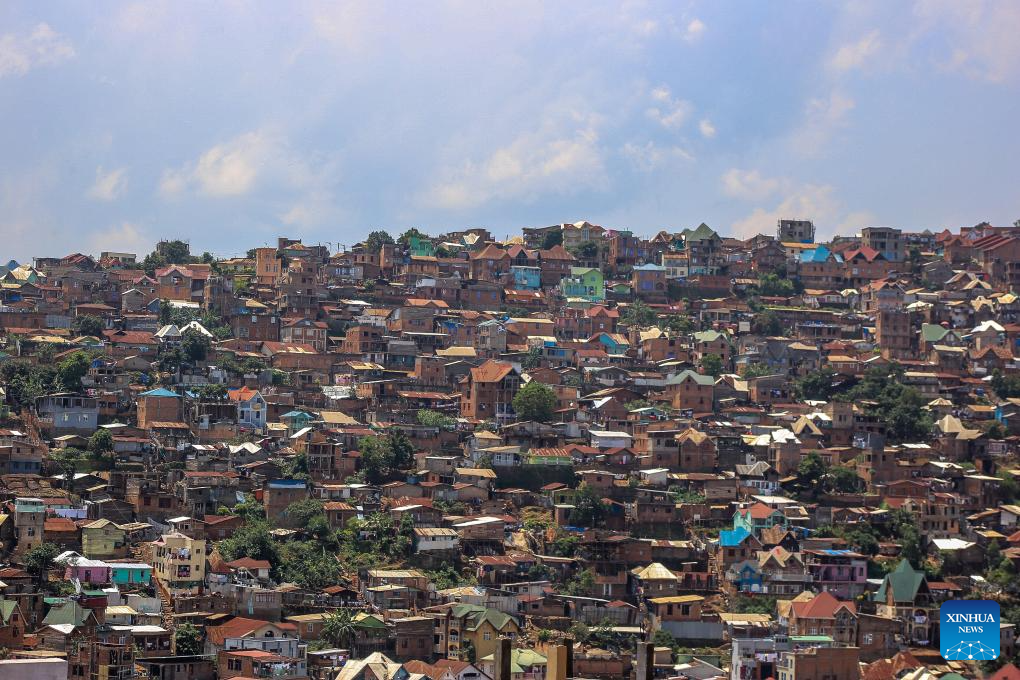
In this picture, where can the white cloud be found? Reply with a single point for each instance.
(854, 55)
(816, 202)
(672, 112)
(977, 38)
(695, 29)
(172, 183)
(749, 185)
(19, 54)
(125, 237)
(823, 117)
(227, 169)
(706, 128)
(649, 156)
(548, 161)
(230, 169)
(260, 160)
(108, 185)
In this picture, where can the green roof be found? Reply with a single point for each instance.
(68, 612)
(710, 336)
(363, 620)
(933, 332)
(810, 638)
(905, 582)
(702, 233)
(699, 378)
(159, 392)
(7, 608)
(476, 615)
(521, 659)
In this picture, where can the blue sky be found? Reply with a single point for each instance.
(230, 123)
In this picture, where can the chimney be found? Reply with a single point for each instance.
(645, 668)
(501, 660)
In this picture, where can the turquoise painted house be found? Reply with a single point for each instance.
(130, 574)
(758, 517)
(421, 247)
(584, 282)
(613, 343)
(526, 278)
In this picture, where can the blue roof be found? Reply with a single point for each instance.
(732, 538)
(819, 254)
(295, 414)
(159, 392)
(296, 483)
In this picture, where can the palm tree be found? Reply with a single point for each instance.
(339, 629)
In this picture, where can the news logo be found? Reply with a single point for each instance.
(969, 630)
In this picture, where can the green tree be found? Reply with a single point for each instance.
(39, 560)
(187, 640)
(811, 473)
(535, 401)
(88, 324)
(662, 638)
(552, 239)
(712, 364)
(249, 509)
(430, 418)
(176, 252)
(844, 480)
(774, 286)
(581, 584)
(406, 237)
(212, 392)
(376, 459)
(251, 540)
(533, 359)
(101, 442)
(565, 545)
(767, 323)
(756, 370)
(195, 345)
(72, 369)
(676, 323)
(339, 628)
(817, 385)
(589, 511)
(588, 251)
(753, 604)
(639, 315)
(401, 449)
(894, 404)
(300, 513)
(376, 240)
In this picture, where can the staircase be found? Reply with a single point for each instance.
(166, 606)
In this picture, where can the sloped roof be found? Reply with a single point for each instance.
(491, 371)
(905, 582)
(655, 572)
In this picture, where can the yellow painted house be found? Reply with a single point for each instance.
(178, 562)
(470, 625)
(103, 539)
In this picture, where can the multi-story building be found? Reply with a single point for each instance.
(885, 240)
(178, 563)
(796, 231)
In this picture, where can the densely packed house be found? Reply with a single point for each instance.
(577, 453)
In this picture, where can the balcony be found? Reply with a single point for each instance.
(790, 578)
